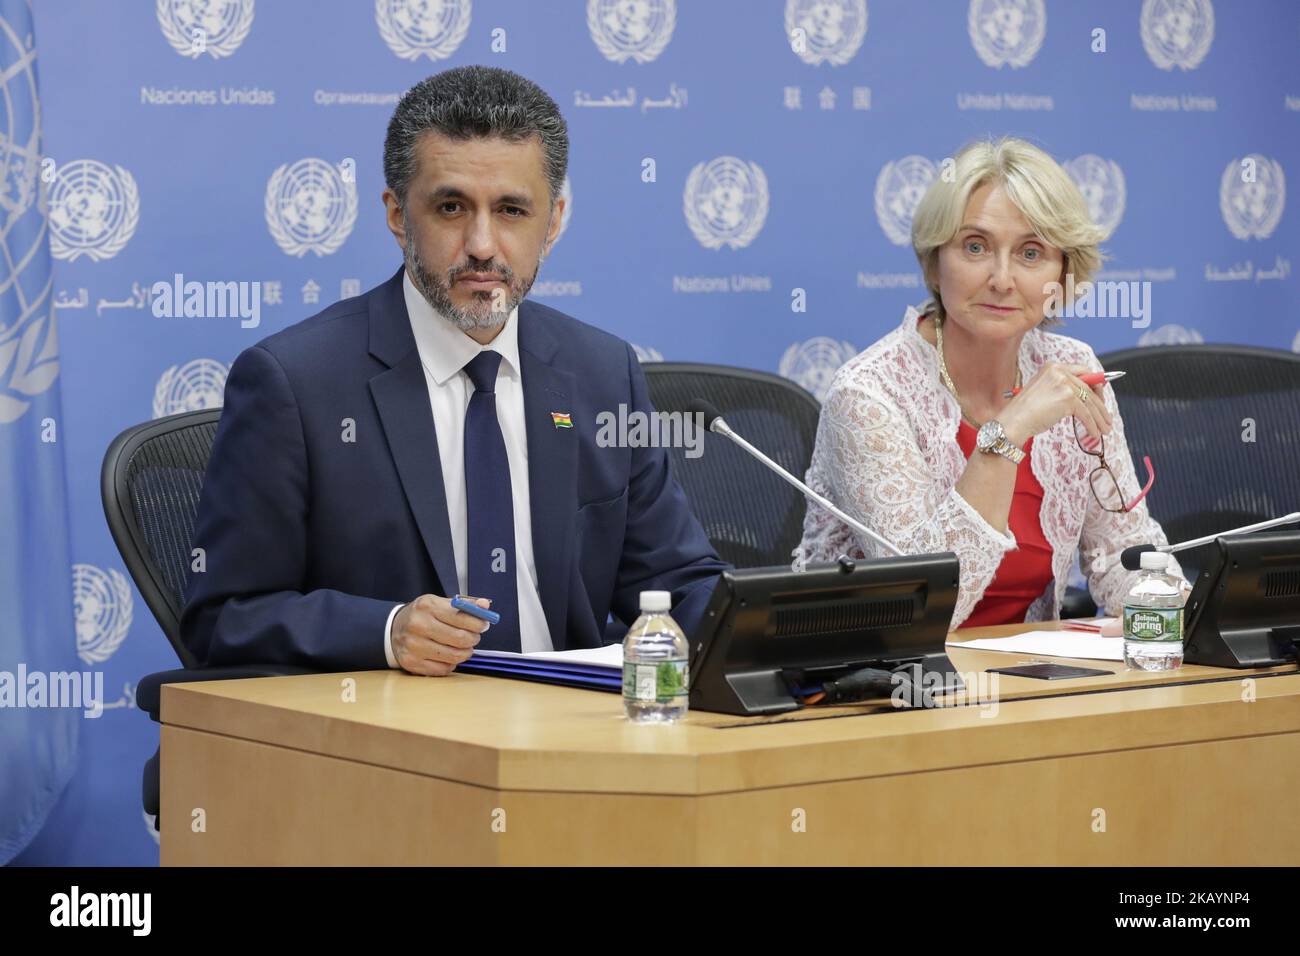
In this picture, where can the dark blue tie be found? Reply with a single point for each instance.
(490, 518)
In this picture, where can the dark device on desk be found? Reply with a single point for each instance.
(1049, 671)
(1244, 610)
(767, 629)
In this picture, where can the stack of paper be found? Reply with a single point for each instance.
(597, 668)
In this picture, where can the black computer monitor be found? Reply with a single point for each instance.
(765, 624)
(1244, 610)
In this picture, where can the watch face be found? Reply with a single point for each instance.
(988, 435)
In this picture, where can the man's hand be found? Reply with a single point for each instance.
(430, 637)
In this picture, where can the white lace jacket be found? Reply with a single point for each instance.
(887, 454)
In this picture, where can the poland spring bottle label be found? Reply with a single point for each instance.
(1158, 625)
(660, 681)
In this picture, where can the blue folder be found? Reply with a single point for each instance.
(587, 676)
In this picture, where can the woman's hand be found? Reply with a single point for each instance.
(1051, 395)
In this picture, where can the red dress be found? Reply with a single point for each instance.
(1025, 572)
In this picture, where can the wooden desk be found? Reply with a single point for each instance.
(1198, 766)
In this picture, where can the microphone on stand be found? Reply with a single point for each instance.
(1131, 558)
(714, 422)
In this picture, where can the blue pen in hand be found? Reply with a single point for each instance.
(462, 603)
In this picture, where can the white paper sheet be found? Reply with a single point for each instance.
(611, 655)
(1081, 645)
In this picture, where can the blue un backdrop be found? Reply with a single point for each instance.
(742, 178)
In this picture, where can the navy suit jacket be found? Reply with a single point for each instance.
(310, 540)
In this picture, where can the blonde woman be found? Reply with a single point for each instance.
(919, 440)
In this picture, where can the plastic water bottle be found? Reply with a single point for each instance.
(656, 684)
(1153, 617)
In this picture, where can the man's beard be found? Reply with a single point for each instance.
(480, 314)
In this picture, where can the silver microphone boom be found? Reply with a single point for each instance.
(719, 425)
(1131, 558)
(1258, 526)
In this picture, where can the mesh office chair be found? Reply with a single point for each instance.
(1185, 405)
(752, 517)
(150, 485)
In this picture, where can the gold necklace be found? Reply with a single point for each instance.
(947, 379)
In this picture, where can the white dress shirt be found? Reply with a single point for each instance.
(444, 352)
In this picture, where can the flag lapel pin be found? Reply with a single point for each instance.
(561, 420)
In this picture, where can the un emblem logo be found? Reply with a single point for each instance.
(29, 358)
(214, 27)
(636, 30)
(29, 349)
(829, 31)
(1177, 32)
(93, 210)
(196, 385)
(813, 363)
(1252, 195)
(20, 137)
(899, 189)
(725, 202)
(1102, 183)
(416, 28)
(1006, 32)
(1171, 335)
(103, 604)
(310, 207)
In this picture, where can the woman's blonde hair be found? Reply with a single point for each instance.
(1038, 187)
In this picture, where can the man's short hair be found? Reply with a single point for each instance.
(474, 101)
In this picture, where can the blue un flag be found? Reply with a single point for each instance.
(38, 742)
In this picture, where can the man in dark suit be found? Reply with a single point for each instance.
(437, 435)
